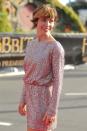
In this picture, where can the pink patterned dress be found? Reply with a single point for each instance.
(43, 65)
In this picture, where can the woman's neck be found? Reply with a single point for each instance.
(42, 37)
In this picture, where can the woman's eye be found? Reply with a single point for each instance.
(51, 20)
(45, 19)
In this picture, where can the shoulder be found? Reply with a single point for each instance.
(30, 43)
(31, 40)
(57, 47)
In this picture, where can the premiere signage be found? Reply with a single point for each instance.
(12, 49)
(13, 45)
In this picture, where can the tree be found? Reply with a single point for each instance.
(5, 24)
(70, 12)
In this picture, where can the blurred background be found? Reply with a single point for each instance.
(72, 15)
(16, 29)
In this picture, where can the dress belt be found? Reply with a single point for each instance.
(35, 83)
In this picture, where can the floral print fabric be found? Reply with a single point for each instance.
(44, 67)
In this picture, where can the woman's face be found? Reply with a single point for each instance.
(45, 25)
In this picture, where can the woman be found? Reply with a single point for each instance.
(43, 65)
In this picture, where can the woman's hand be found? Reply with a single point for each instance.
(22, 109)
(48, 119)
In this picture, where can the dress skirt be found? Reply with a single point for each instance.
(38, 100)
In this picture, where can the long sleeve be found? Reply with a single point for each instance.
(57, 71)
(23, 95)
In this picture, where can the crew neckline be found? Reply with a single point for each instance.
(45, 41)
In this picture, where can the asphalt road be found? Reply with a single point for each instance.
(72, 114)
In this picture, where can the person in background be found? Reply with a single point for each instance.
(44, 69)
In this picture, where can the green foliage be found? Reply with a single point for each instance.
(70, 12)
(5, 24)
(78, 5)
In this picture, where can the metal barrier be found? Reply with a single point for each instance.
(73, 45)
(12, 47)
